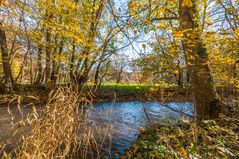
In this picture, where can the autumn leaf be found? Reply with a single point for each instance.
(143, 46)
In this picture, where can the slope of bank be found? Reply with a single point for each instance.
(212, 139)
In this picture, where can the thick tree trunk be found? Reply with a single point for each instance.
(8, 78)
(207, 102)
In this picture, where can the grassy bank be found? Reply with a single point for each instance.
(139, 92)
(135, 87)
(208, 139)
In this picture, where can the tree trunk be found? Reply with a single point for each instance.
(97, 72)
(179, 77)
(8, 78)
(104, 73)
(54, 71)
(207, 102)
(72, 61)
(57, 63)
(118, 79)
(235, 77)
(48, 49)
(39, 65)
(82, 75)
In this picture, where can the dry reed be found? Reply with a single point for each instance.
(58, 130)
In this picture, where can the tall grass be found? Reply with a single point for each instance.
(58, 130)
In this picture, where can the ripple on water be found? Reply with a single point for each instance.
(128, 117)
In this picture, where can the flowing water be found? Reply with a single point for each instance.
(127, 118)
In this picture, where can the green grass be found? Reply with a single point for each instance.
(133, 87)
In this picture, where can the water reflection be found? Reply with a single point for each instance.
(128, 117)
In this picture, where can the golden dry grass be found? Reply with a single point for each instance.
(58, 130)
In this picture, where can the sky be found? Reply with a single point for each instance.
(133, 50)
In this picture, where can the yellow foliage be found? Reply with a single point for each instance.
(16, 67)
(2, 1)
(148, 22)
(143, 46)
(187, 3)
(159, 10)
(162, 25)
(237, 32)
(177, 34)
(204, 2)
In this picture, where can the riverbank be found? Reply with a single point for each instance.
(160, 95)
(106, 93)
(207, 139)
